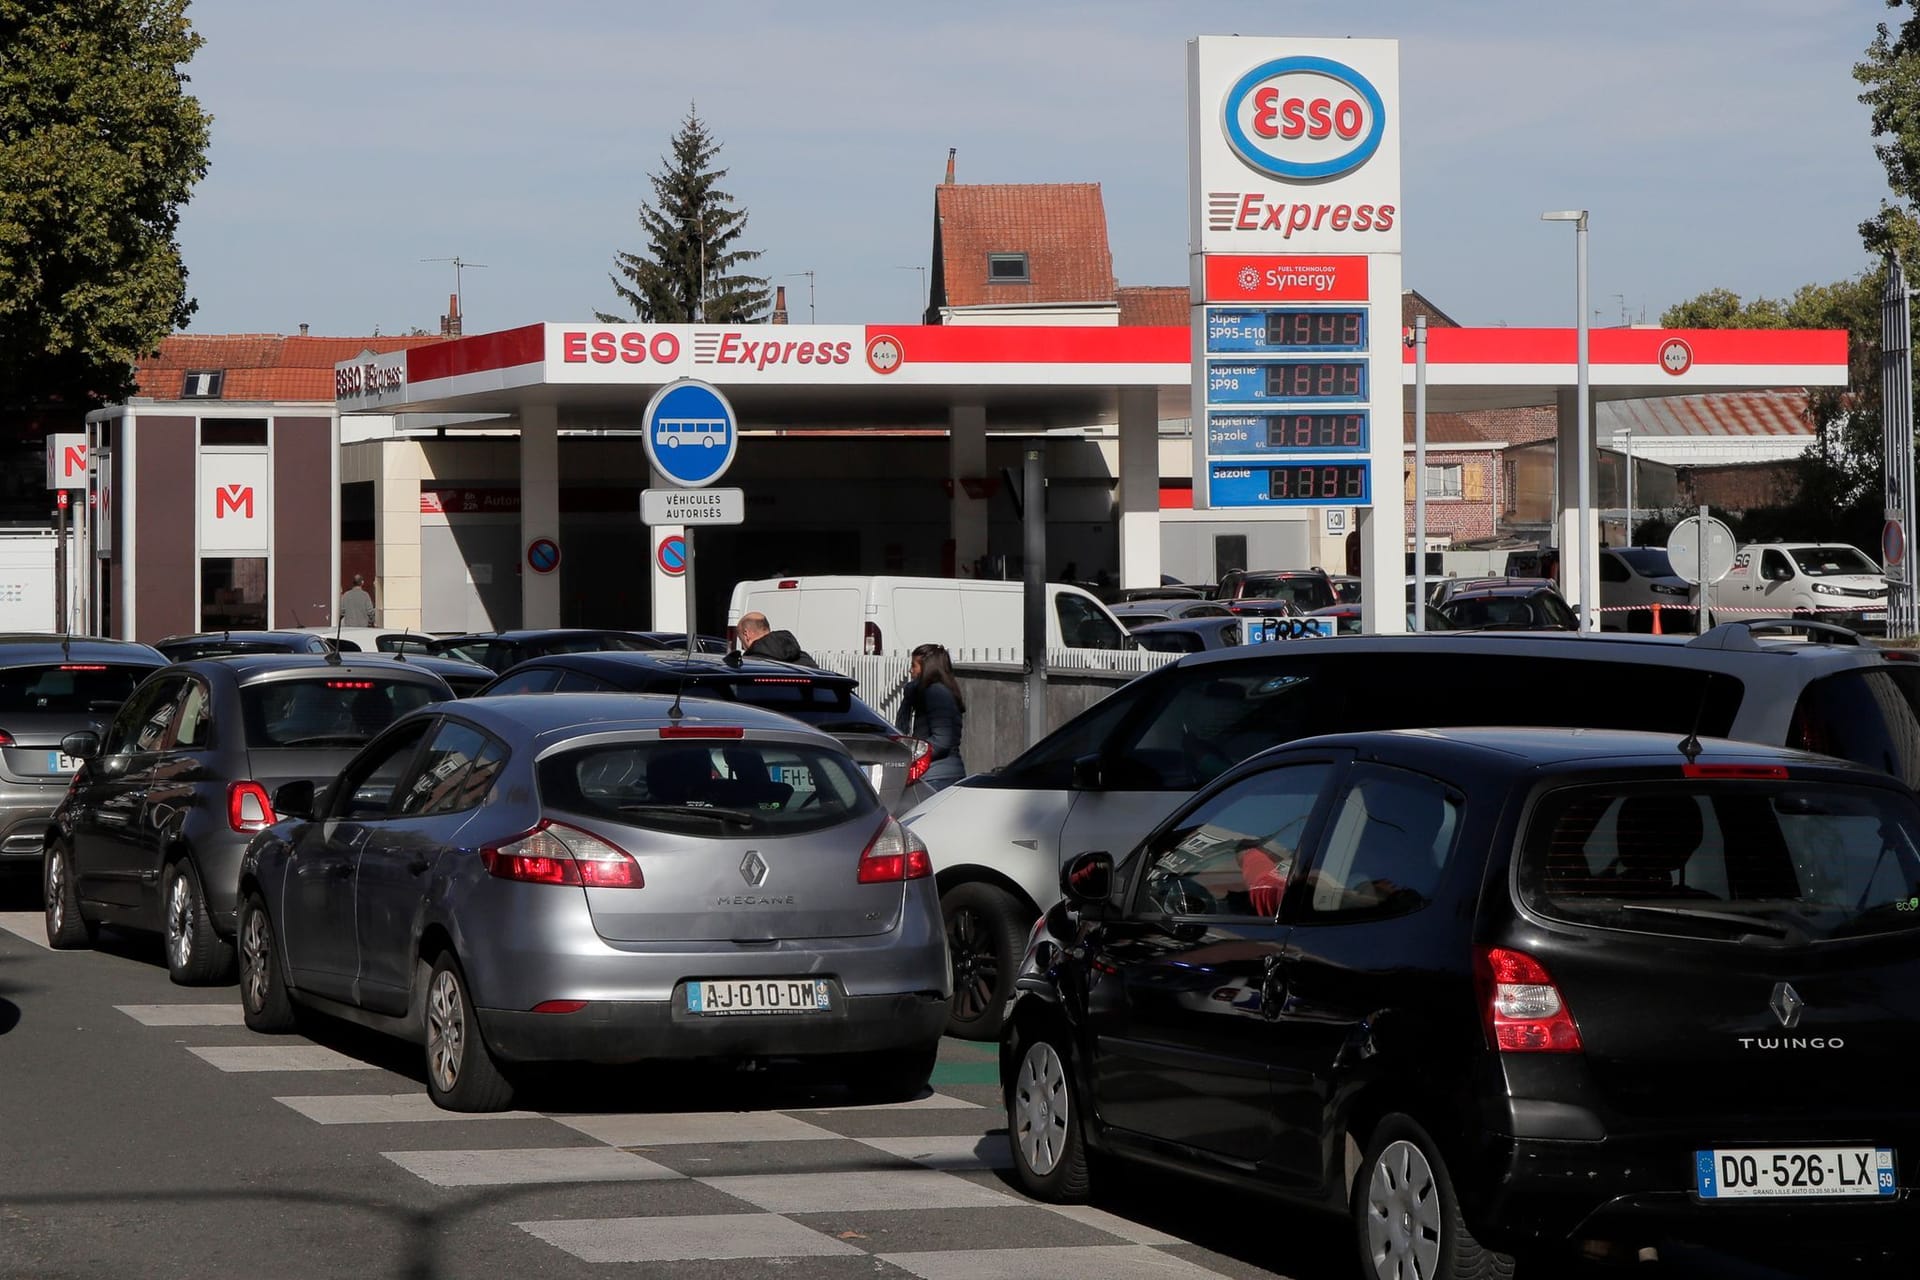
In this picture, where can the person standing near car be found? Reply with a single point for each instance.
(356, 606)
(758, 639)
(933, 710)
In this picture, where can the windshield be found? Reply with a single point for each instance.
(744, 789)
(1648, 562)
(67, 688)
(1305, 591)
(1825, 562)
(327, 711)
(1791, 862)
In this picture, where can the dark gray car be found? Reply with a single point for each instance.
(151, 832)
(611, 878)
(51, 687)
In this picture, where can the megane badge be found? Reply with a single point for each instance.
(1786, 1004)
(753, 869)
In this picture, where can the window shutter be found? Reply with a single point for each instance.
(1409, 483)
(1474, 481)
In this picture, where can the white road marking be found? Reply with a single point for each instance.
(30, 925)
(1111, 1262)
(956, 1152)
(681, 1128)
(277, 1057)
(185, 1015)
(853, 1191)
(932, 1102)
(1112, 1223)
(500, 1168)
(387, 1108)
(724, 1235)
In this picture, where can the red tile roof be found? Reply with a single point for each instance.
(259, 366)
(1449, 428)
(1060, 226)
(1165, 304)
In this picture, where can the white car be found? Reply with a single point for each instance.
(1829, 581)
(374, 639)
(1634, 580)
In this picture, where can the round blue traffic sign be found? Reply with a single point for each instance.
(543, 555)
(691, 433)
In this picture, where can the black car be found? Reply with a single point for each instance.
(1134, 614)
(1276, 591)
(1505, 604)
(150, 834)
(463, 677)
(51, 686)
(222, 644)
(1490, 990)
(892, 761)
(501, 650)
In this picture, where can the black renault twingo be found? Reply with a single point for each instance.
(1489, 991)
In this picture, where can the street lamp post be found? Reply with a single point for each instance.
(1584, 433)
(1627, 436)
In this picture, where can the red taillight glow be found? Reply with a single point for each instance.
(1757, 772)
(895, 854)
(555, 853)
(922, 759)
(702, 731)
(83, 666)
(870, 637)
(560, 1006)
(788, 584)
(248, 807)
(780, 680)
(349, 684)
(6, 739)
(1522, 1008)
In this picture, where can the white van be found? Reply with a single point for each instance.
(882, 615)
(1831, 581)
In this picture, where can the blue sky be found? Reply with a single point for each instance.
(1718, 143)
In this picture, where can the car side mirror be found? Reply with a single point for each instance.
(294, 799)
(81, 745)
(1087, 774)
(1087, 881)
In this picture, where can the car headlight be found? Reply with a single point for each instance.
(1827, 589)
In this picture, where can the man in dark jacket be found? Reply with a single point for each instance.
(758, 639)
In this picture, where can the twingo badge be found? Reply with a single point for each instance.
(1303, 119)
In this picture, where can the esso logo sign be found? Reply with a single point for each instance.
(1303, 119)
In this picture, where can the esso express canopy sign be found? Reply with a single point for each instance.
(1297, 145)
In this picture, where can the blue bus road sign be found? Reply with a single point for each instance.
(691, 433)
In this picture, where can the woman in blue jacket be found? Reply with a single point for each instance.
(932, 711)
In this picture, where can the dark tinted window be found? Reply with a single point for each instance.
(68, 688)
(365, 789)
(1233, 853)
(1867, 717)
(1170, 641)
(326, 711)
(1085, 625)
(1049, 762)
(743, 789)
(402, 644)
(1650, 561)
(231, 431)
(1305, 591)
(527, 680)
(1612, 569)
(455, 772)
(1787, 861)
(1389, 839)
(143, 721)
(576, 682)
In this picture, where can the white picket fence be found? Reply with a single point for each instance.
(883, 678)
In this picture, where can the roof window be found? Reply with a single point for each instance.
(202, 384)
(1007, 268)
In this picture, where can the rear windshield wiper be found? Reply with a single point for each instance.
(743, 817)
(1747, 924)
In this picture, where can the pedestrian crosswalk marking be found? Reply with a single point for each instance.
(278, 1057)
(931, 1102)
(227, 1014)
(1110, 1262)
(388, 1108)
(681, 1239)
(668, 1129)
(514, 1167)
(853, 1190)
(28, 925)
(964, 1152)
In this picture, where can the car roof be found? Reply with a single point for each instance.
(289, 635)
(541, 633)
(1519, 749)
(675, 662)
(245, 667)
(438, 663)
(25, 648)
(548, 717)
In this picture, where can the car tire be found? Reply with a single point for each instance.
(196, 953)
(1046, 1123)
(68, 928)
(1406, 1217)
(893, 1075)
(986, 929)
(264, 1000)
(461, 1072)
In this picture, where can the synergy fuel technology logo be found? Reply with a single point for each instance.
(1303, 119)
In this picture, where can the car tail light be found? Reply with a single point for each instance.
(1758, 772)
(922, 758)
(6, 739)
(788, 584)
(560, 1006)
(894, 854)
(349, 684)
(870, 641)
(806, 680)
(1523, 1009)
(83, 666)
(702, 731)
(248, 807)
(555, 853)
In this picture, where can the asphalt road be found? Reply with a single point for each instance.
(144, 1132)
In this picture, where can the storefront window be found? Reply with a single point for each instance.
(233, 593)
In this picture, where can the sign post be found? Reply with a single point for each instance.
(1701, 550)
(66, 471)
(691, 435)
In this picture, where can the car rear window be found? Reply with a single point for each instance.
(1871, 717)
(723, 789)
(322, 711)
(1785, 861)
(1305, 592)
(67, 688)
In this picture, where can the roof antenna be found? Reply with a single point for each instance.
(1690, 745)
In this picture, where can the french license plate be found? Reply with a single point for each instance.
(1874, 615)
(1794, 1172)
(759, 995)
(61, 762)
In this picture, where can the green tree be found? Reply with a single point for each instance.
(100, 145)
(691, 269)
(1891, 75)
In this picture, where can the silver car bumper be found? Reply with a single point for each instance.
(26, 811)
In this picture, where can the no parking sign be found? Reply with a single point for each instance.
(671, 555)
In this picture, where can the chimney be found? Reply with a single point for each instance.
(303, 330)
(779, 315)
(951, 151)
(450, 322)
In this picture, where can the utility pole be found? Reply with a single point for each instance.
(809, 275)
(923, 288)
(459, 265)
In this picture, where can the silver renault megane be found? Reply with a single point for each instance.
(522, 879)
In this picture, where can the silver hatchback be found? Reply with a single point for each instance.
(524, 879)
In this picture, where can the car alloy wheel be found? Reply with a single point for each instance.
(256, 961)
(446, 1031)
(1041, 1107)
(56, 891)
(180, 922)
(1403, 1214)
(976, 969)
